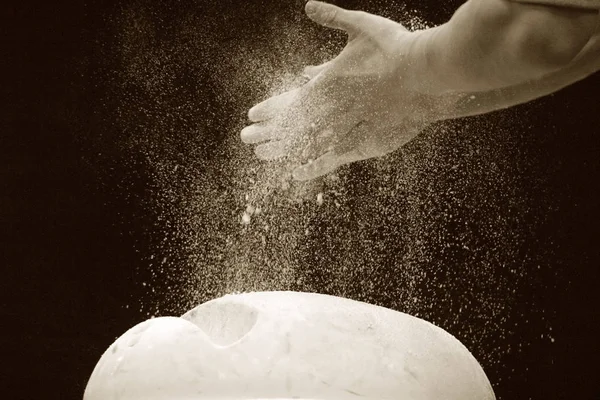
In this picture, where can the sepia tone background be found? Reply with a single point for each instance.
(124, 184)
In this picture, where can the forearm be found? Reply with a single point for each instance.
(585, 64)
(490, 44)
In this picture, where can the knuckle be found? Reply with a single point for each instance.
(359, 16)
(330, 16)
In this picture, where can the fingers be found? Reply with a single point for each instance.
(325, 164)
(272, 106)
(272, 150)
(306, 143)
(298, 120)
(269, 108)
(332, 16)
(321, 166)
(259, 132)
(343, 149)
(326, 139)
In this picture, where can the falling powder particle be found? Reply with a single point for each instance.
(428, 230)
(246, 218)
(320, 198)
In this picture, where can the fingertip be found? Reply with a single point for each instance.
(315, 10)
(258, 132)
(311, 7)
(330, 16)
(251, 113)
(246, 134)
(254, 114)
(262, 111)
(269, 108)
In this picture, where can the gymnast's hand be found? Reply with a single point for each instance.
(354, 107)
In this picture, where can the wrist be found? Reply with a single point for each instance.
(423, 74)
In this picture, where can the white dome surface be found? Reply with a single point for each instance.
(284, 345)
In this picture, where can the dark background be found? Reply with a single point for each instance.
(492, 233)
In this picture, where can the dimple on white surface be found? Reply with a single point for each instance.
(287, 345)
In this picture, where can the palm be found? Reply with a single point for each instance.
(353, 108)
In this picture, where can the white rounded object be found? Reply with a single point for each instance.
(284, 345)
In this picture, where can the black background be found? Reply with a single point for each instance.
(78, 225)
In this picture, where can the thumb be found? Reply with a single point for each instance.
(332, 16)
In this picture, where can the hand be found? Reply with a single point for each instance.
(354, 107)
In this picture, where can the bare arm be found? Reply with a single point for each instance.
(490, 44)
(586, 63)
(388, 82)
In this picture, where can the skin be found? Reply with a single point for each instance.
(583, 65)
(388, 83)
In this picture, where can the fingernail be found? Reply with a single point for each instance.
(311, 7)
